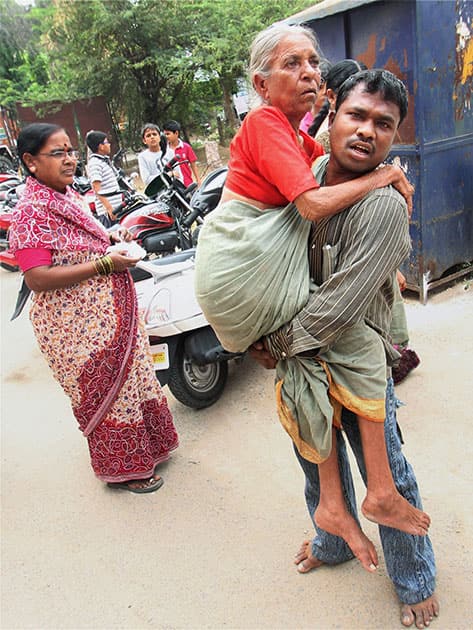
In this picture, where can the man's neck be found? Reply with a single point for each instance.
(335, 175)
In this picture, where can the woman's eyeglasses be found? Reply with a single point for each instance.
(61, 155)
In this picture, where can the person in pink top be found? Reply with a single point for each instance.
(183, 152)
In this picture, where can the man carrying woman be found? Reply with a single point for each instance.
(269, 166)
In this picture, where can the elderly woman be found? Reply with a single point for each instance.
(85, 318)
(252, 269)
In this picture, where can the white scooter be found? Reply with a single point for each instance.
(186, 352)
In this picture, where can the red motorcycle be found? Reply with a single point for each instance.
(10, 185)
(168, 217)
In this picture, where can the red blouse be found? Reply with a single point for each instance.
(33, 257)
(267, 162)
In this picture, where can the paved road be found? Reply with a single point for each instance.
(214, 547)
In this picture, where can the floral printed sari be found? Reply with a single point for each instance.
(94, 343)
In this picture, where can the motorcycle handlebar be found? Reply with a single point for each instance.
(173, 162)
(189, 220)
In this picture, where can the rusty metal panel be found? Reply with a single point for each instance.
(382, 36)
(429, 45)
(331, 35)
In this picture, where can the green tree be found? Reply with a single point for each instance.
(223, 35)
(151, 59)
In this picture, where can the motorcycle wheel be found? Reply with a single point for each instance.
(196, 386)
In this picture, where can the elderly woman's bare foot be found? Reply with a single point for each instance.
(421, 614)
(396, 512)
(341, 523)
(305, 560)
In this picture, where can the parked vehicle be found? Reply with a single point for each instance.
(10, 187)
(167, 218)
(7, 259)
(187, 354)
(8, 161)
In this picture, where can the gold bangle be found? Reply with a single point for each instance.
(99, 265)
(108, 262)
(104, 265)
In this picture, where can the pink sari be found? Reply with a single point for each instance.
(93, 340)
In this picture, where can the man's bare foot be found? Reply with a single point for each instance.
(396, 512)
(421, 614)
(341, 523)
(305, 560)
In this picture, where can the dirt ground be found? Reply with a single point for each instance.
(214, 547)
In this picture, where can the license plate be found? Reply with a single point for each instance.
(160, 356)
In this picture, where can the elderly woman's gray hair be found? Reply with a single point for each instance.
(266, 41)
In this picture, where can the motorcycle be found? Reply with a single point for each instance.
(10, 189)
(7, 259)
(187, 355)
(169, 216)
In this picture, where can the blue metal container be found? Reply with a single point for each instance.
(428, 44)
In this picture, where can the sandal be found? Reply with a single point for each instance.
(151, 485)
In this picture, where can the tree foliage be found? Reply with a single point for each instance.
(151, 59)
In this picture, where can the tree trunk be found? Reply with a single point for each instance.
(230, 116)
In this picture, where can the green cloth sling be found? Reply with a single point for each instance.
(252, 276)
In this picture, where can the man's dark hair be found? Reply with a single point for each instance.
(335, 75)
(172, 125)
(94, 138)
(377, 81)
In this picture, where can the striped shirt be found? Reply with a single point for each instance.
(353, 258)
(100, 169)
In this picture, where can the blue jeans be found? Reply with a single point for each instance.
(409, 559)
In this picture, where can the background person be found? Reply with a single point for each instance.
(103, 178)
(149, 160)
(85, 318)
(335, 76)
(308, 119)
(183, 151)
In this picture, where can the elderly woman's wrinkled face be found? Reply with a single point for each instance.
(294, 78)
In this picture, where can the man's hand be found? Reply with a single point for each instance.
(260, 353)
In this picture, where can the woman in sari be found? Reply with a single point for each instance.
(84, 315)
